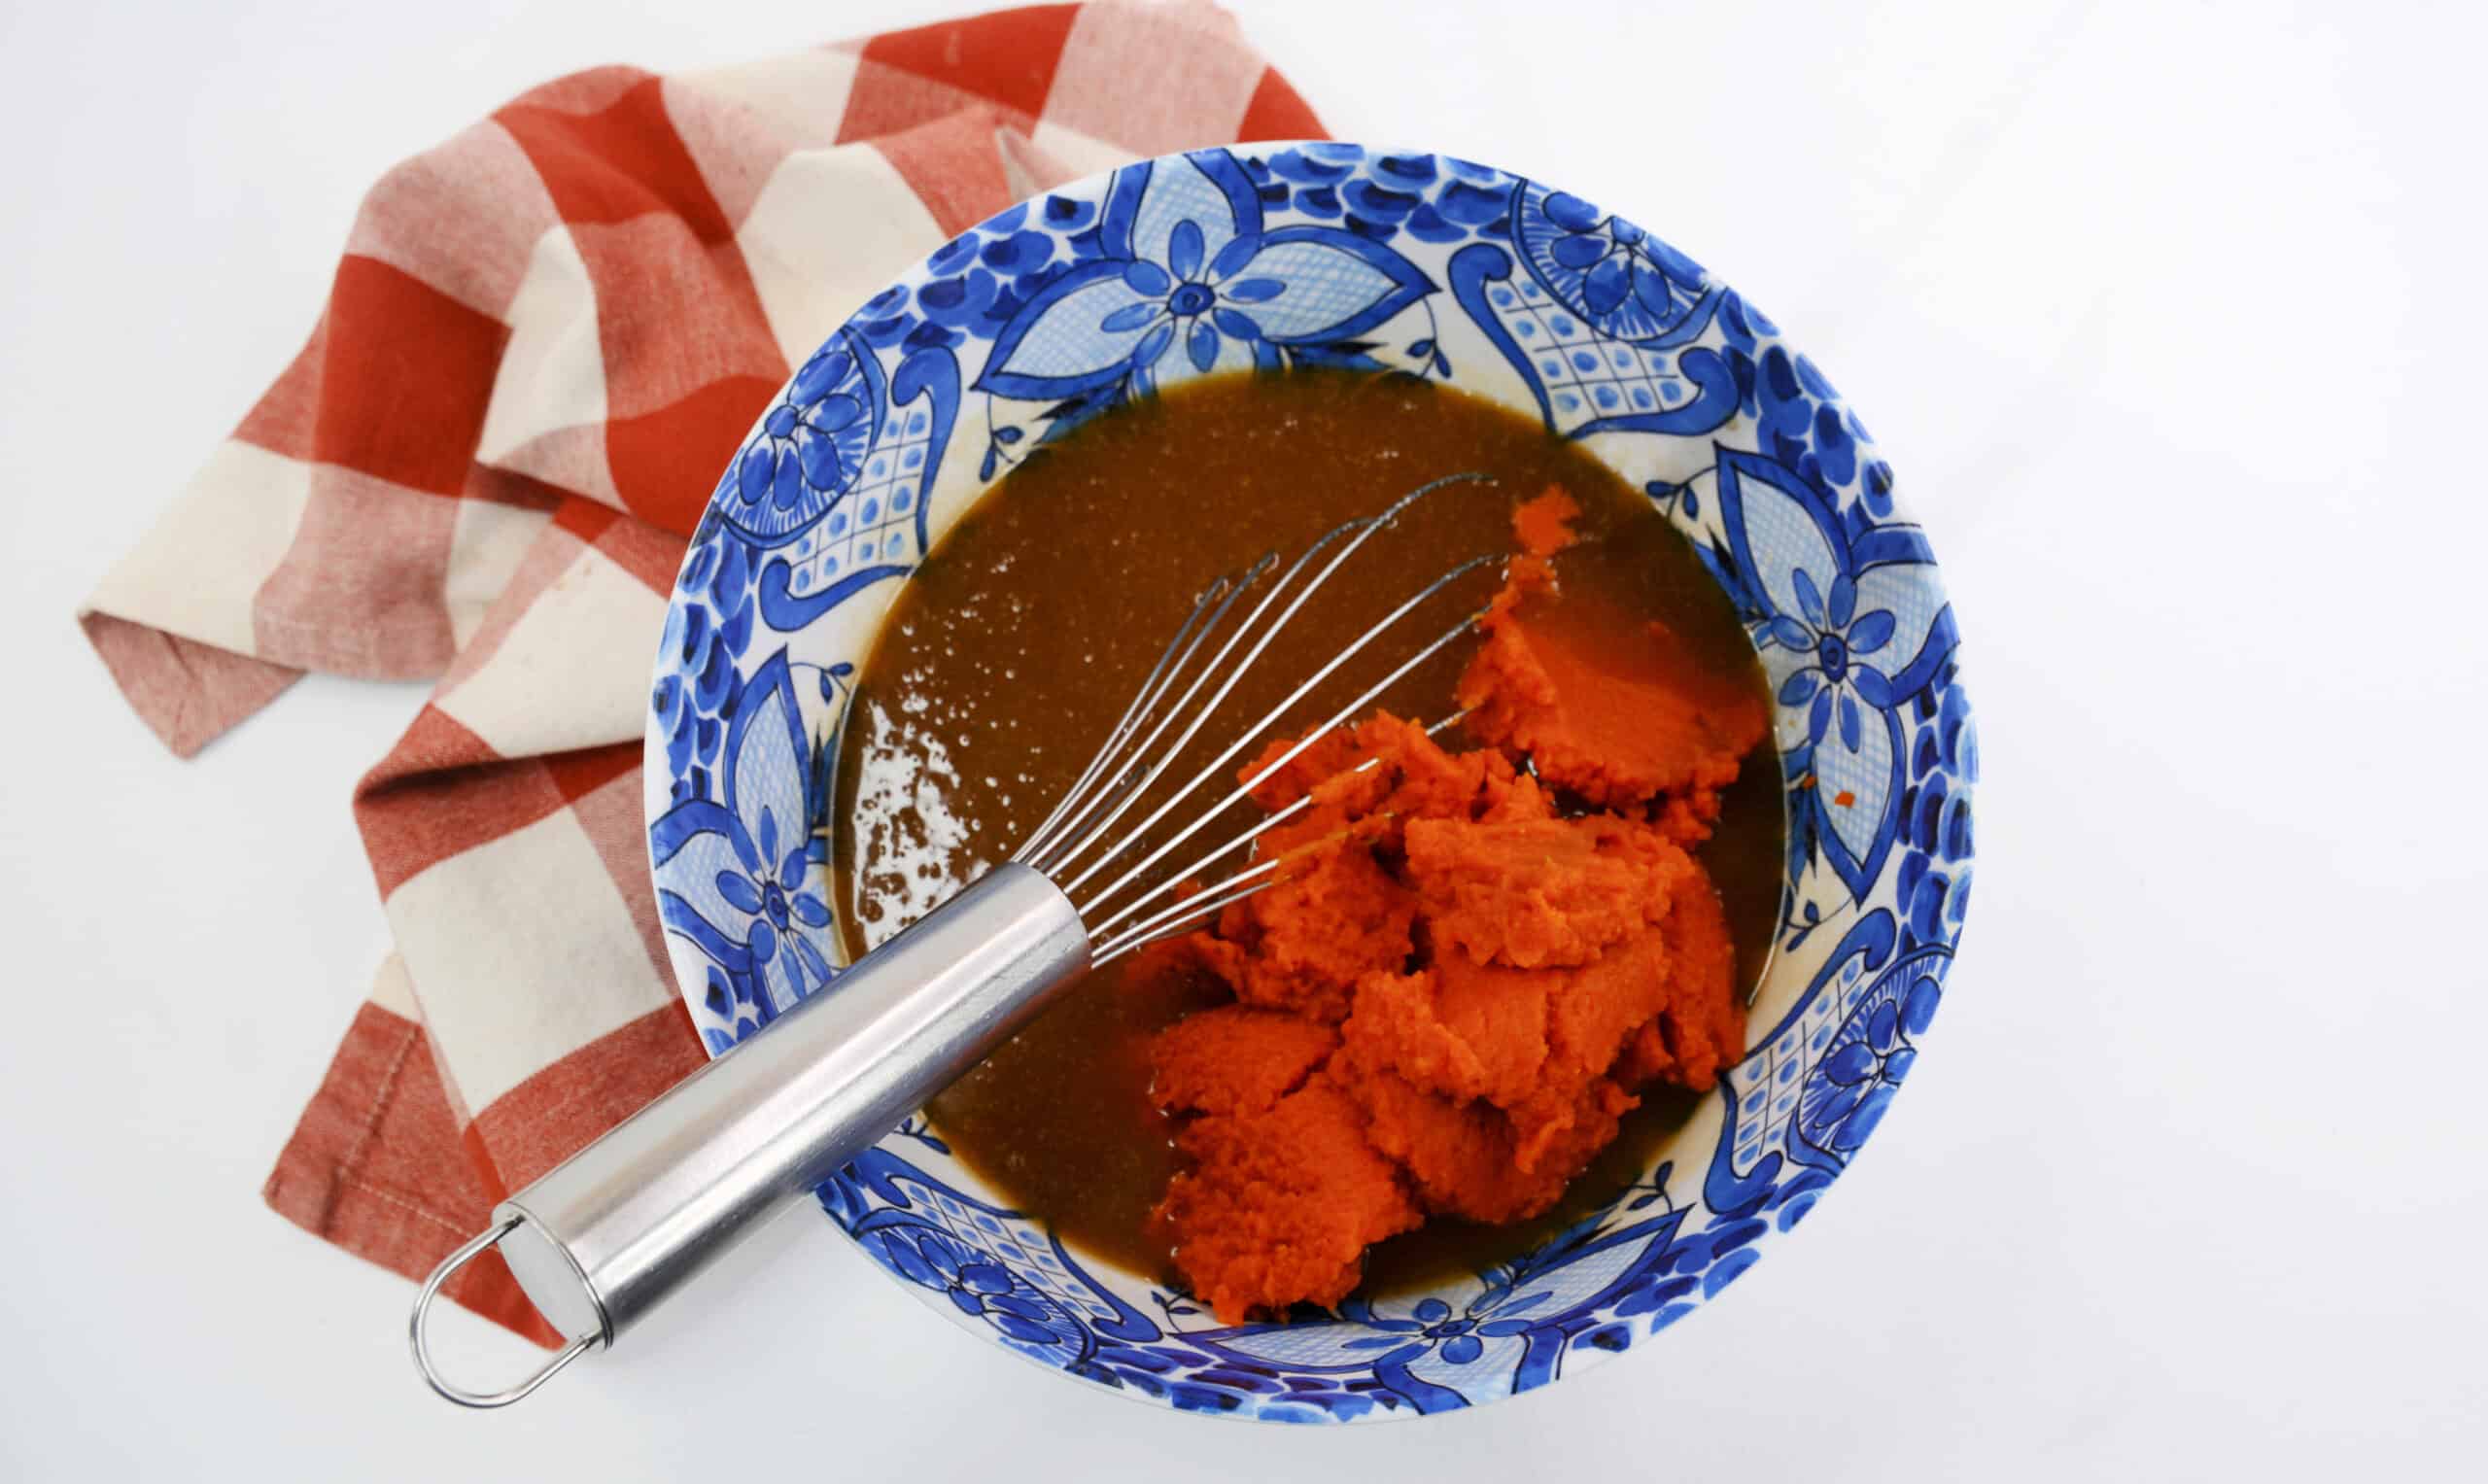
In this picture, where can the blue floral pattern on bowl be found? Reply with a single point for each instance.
(1391, 263)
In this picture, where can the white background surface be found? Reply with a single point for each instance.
(2170, 318)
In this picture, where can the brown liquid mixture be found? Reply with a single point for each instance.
(1011, 653)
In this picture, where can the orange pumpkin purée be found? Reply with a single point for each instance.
(1448, 1001)
(1616, 711)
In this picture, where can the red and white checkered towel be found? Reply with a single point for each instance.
(545, 339)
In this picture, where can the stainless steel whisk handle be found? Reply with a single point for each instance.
(611, 1231)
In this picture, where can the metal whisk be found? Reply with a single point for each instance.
(606, 1235)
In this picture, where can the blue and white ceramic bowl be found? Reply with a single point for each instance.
(1278, 256)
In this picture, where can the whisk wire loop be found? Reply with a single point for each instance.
(1216, 667)
(1034, 846)
(1181, 915)
(1103, 780)
(1216, 767)
(1061, 856)
(1123, 787)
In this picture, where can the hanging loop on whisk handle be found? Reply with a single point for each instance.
(608, 1234)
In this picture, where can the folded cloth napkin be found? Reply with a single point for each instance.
(545, 339)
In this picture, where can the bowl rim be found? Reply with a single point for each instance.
(1874, 971)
